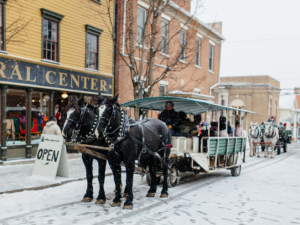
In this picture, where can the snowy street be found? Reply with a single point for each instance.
(266, 192)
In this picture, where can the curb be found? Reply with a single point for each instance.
(31, 161)
(48, 186)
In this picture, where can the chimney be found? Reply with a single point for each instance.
(296, 90)
(185, 4)
(216, 26)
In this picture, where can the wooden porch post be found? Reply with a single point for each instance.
(51, 104)
(28, 123)
(3, 153)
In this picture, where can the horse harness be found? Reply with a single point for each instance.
(123, 131)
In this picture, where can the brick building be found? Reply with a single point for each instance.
(199, 74)
(259, 94)
(49, 50)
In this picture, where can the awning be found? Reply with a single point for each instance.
(192, 106)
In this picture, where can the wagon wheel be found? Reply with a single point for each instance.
(173, 181)
(236, 171)
(148, 178)
(262, 148)
(284, 147)
(278, 150)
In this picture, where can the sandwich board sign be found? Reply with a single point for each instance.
(51, 157)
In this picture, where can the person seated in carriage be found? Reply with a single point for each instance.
(238, 132)
(170, 117)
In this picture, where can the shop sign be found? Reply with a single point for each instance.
(51, 158)
(14, 71)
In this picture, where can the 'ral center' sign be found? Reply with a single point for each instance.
(51, 157)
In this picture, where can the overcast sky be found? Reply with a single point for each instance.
(262, 37)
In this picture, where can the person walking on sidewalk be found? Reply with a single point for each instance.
(52, 127)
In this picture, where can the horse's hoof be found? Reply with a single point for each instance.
(86, 199)
(116, 204)
(125, 195)
(128, 207)
(100, 202)
(164, 195)
(150, 195)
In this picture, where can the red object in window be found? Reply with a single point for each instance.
(200, 129)
(50, 40)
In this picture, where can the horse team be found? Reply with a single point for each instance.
(271, 136)
(106, 124)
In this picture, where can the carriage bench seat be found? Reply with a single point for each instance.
(225, 145)
(182, 145)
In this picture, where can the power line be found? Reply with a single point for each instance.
(271, 39)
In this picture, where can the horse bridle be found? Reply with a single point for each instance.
(273, 133)
(105, 133)
(78, 124)
(257, 132)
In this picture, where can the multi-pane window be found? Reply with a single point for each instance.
(49, 40)
(91, 51)
(164, 36)
(198, 45)
(1, 26)
(162, 90)
(211, 57)
(141, 19)
(182, 44)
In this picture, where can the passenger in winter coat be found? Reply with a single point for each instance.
(170, 117)
(238, 130)
(52, 127)
(229, 129)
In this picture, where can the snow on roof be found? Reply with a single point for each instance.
(286, 101)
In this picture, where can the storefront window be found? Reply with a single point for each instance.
(17, 117)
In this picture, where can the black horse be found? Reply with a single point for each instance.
(131, 140)
(79, 127)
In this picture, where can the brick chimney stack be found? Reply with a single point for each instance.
(296, 90)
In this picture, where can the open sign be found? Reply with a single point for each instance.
(51, 158)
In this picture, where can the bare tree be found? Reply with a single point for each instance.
(152, 50)
(16, 30)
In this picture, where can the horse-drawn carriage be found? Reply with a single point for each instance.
(147, 146)
(198, 154)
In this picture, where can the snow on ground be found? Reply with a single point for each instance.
(267, 192)
(19, 176)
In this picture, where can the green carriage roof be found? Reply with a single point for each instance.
(187, 105)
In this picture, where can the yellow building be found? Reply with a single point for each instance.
(50, 50)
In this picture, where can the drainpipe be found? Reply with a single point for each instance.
(215, 85)
(114, 49)
(124, 24)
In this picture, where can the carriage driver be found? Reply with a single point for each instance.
(170, 117)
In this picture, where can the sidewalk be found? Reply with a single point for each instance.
(15, 178)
